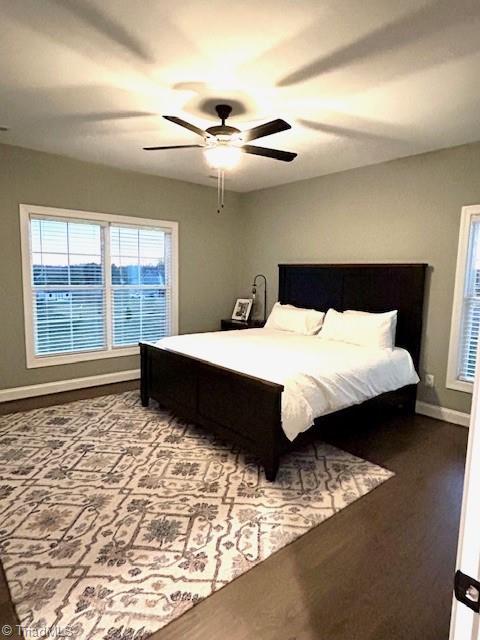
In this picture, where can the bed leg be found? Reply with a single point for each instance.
(409, 404)
(271, 465)
(144, 398)
(144, 369)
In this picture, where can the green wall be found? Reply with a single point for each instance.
(208, 245)
(407, 210)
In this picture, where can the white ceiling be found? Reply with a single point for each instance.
(361, 81)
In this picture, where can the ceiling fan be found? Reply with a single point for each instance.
(223, 144)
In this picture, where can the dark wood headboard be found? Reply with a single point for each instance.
(364, 287)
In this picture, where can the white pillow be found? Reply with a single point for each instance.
(286, 317)
(363, 329)
(389, 317)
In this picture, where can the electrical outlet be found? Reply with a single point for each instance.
(429, 380)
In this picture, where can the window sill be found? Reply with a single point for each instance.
(70, 358)
(460, 385)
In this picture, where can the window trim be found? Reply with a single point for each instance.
(468, 214)
(34, 361)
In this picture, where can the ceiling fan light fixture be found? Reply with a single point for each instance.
(223, 145)
(222, 156)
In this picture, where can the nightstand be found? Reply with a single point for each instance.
(229, 324)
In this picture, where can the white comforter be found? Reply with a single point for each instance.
(319, 376)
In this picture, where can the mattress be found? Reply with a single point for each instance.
(319, 376)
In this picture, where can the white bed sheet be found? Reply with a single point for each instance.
(319, 376)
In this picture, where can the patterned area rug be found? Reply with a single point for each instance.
(115, 519)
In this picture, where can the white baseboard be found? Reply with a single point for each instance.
(16, 393)
(442, 413)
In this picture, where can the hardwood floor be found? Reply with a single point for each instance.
(381, 569)
(9, 627)
(66, 396)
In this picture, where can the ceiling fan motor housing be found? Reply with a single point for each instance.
(222, 130)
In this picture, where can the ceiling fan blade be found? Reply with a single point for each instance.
(276, 154)
(187, 125)
(174, 146)
(267, 129)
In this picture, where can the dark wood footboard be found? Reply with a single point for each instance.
(241, 408)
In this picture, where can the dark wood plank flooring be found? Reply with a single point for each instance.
(9, 626)
(25, 404)
(381, 569)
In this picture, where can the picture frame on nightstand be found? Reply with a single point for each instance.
(242, 309)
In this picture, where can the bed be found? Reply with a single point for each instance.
(237, 384)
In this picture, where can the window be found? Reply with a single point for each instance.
(464, 335)
(95, 284)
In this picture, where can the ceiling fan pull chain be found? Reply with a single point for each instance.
(220, 190)
(223, 188)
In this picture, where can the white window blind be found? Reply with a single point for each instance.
(95, 286)
(68, 286)
(471, 307)
(140, 284)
